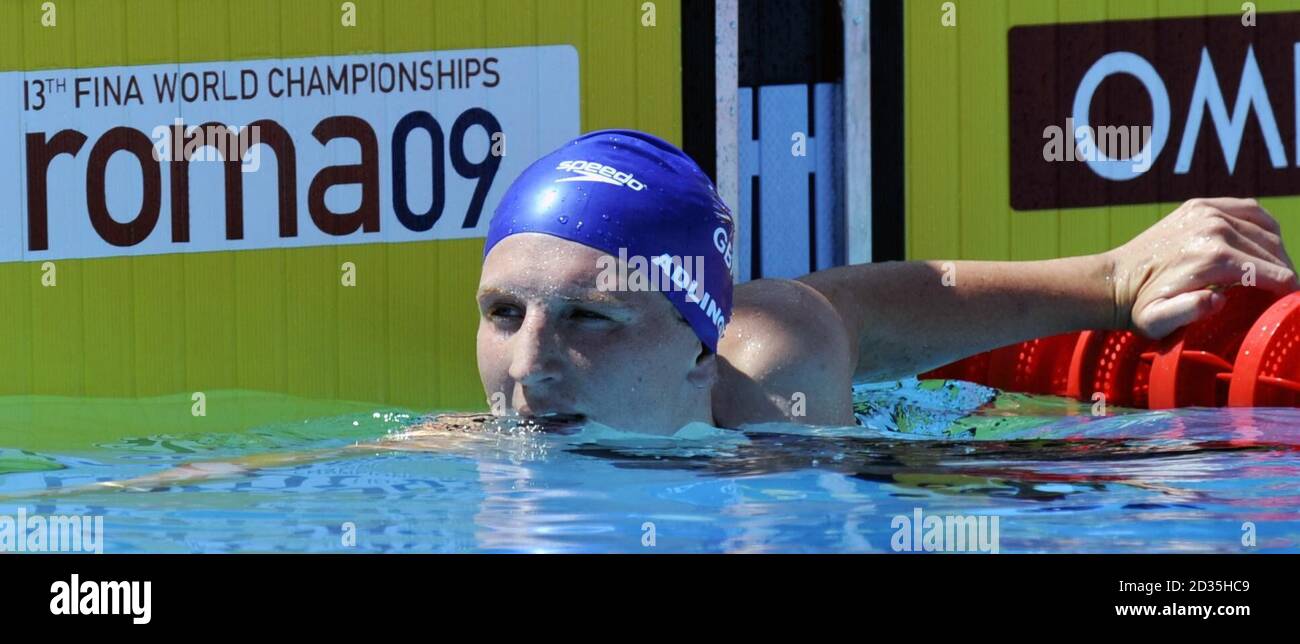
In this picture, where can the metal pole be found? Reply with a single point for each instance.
(857, 130)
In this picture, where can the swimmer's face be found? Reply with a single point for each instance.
(550, 342)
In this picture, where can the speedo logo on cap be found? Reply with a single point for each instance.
(592, 171)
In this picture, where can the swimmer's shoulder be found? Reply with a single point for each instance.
(785, 352)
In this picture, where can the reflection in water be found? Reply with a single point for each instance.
(1058, 478)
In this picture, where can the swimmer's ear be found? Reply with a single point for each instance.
(705, 371)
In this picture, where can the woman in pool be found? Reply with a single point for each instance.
(581, 318)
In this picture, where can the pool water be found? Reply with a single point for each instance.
(1056, 478)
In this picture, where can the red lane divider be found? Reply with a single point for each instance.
(1039, 366)
(973, 369)
(1110, 362)
(1186, 371)
(1267, 370)
(1247, 355)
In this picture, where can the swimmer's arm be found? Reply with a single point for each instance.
(429, 436)
(196, 472)
(902, 318)
(209, 470)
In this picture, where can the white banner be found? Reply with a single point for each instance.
(382, 148)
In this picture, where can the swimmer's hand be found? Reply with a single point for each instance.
(1174, 273)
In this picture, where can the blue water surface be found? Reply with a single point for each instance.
(1059, 476)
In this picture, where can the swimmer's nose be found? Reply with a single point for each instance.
(535, 352)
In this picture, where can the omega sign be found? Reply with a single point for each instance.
(1151, 111)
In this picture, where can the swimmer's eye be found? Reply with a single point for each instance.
(583, 314)
(505, 311)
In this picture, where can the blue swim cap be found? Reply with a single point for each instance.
(632, 196)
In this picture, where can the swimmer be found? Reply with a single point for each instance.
(581, 317)
(554, 338)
